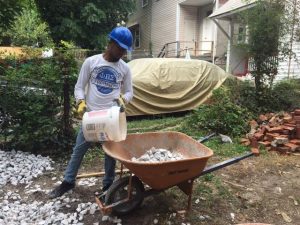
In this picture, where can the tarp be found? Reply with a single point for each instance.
(166, 85)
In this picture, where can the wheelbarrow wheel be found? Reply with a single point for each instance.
(119, 191)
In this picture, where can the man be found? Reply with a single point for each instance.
(105, 76)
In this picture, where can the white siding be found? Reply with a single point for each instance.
(188, 14)
(142, 17)
(163, 21)
(163, 26)
(294, 66)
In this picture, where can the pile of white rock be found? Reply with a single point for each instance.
(21, 167)
(17, 211)
(88, 182)
(17, 207)
(158, 155)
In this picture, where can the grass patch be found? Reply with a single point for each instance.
(163, 123)
(225, 150)
(94, 152)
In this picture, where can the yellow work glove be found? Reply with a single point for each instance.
(121, 103)
(81, 108)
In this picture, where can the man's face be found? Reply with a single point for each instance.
(115, 51)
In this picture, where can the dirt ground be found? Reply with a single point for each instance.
(263, 189)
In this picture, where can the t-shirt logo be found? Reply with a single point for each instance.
(106, 79)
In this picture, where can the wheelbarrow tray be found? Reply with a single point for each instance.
(161, 175)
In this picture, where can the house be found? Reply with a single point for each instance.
(170, 28)
(206, 29)
(237, 62)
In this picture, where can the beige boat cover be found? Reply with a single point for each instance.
(165, 85)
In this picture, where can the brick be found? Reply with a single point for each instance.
(284, 136)
(253, 124)
(295, 141)
(263, 129)
(272, 120)
(287, 119)
(297, 111)
(255, 151)
(290, 128)
(263, 118)
(291, 124)
(292, 146)
(271, 136)
(297, 133)
(267, 128)
(280, 140)
(264, 143)
(296, 118)
(254, 143)
(286, 132)
(259, 136)
(245, 141)
(277, 129)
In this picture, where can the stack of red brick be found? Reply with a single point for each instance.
(276, 132)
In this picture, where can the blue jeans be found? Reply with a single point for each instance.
(79, 151)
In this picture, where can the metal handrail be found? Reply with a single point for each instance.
(165, 51)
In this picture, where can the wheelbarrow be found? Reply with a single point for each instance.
(128, 192)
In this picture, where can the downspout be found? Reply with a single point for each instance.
(292, 37)
(177, 30)
(215, 35)
(228, 60)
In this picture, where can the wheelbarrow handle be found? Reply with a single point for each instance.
(203, 139)
(225, 163)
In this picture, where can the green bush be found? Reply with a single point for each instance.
(33, 101)
(284, 96)
(287, 93)
(29, 30)
(222, 116)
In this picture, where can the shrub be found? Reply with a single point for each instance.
(33, 100)
(222, 116)
(29, 30)
(284, 96)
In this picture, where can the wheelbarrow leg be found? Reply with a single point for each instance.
(122, 170)
(187, 188)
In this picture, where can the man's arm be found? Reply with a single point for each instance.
(127, 88)
(83, 78)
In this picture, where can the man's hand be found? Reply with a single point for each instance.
(81, 108)
(121, 103)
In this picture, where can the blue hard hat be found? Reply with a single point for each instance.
(122, 36)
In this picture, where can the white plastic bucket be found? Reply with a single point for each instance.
(104, 125)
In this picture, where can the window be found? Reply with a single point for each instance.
(136, 36)
(144, 3)
(240, 34)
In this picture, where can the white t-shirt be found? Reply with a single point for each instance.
(105, 81)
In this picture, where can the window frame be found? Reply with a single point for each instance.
(137, 37)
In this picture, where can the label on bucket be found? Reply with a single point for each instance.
(95, 126)
(90, 126)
